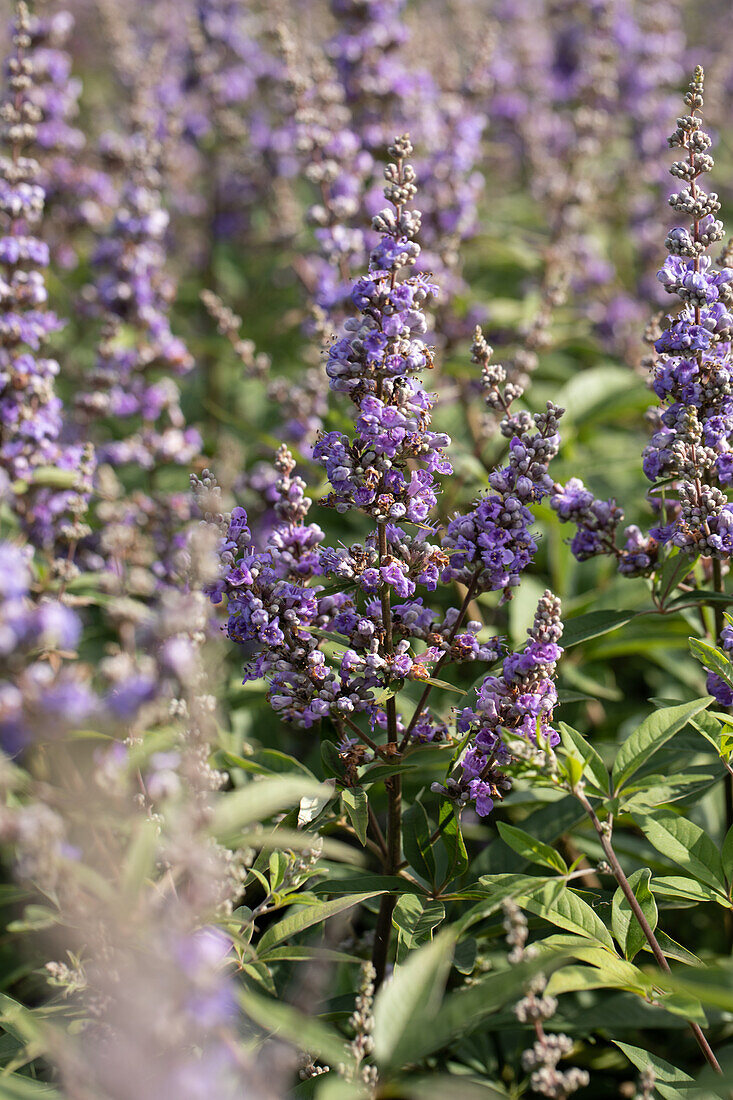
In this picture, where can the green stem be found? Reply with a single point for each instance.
(393, 787)
(719, 615)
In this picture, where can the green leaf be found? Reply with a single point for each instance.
(416, 833)
(464, 956)
(685, 843)
(309, 915)
(674, 950)
(53, 477)
(407, 1006)
(594, 768)
(356, 805)
(657, 790)
(140, 858)
(452, 838)
(699, 595)
(677, 566)
(415, 918)
(499, 888)
(533, 850)
(259, 800)
(438, 1086)
(377, 884)
(626, 927)
(686, 889)
(333, 765)
(712, 659)
(727, 854)
(669, 1082)
(658, 728)
(15, 1087)
(307, 1032)
(711, 729)
(444, 685)
(604, 971)
(465, 1010)
(584, 627)
(279, 864)
(300, 841)
(559, 905)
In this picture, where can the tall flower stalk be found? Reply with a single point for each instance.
(30, 410)
(387, 470)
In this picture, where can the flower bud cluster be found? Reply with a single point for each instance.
(492, 545)
(387, 469)
(542, 1058)
(30, 410)
(693, 438)
(692, 375)
(597, 522)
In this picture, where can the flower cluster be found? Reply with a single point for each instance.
(597, 522)
(78, 194)
(30, 410)
(132, 379)
(542, 1058)
(375, 363)
(692, 371)
(491, 546)
(36, 690)
(691, 446)
(517, 703)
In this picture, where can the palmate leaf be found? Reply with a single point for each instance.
(658, 728)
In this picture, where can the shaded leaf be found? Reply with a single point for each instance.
(306, 917)
(669, 1082)
(626, 927)
(533, 850)
(356, 805)
(407, 1006)
(593, 625)
(416, 833)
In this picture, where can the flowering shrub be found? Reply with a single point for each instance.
(365, 663)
